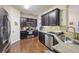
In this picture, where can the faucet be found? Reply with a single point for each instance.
(72, 28)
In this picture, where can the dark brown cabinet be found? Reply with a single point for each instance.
(51, 18)
(54, 17)
(32, 22)
(28, 21)
(45, 20)
(42, 37)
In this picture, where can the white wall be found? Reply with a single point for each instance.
(74, 16)
(14, 16)
(38, 22)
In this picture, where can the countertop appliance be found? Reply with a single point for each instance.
(5, 30)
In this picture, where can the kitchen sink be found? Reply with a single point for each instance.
(65, 39)
(68, 40)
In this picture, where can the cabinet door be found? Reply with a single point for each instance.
(23, 21)
(54, 17)
(45, 20)
(34, 22)
(42, 37)
(28, 21)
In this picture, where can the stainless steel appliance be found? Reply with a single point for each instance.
(49, 41)
(5, 29)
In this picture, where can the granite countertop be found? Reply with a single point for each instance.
(48, 32)
(65, 48)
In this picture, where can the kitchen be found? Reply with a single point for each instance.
(48, 28)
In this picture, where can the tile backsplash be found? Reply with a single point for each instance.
(59, 28)
(51, 28)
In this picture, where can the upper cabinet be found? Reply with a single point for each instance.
(54, 17)
(51, 18)
(28, 21)
(45, 19)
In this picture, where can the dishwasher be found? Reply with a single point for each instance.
(49, 41)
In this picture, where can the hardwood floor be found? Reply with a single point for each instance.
(30, 45)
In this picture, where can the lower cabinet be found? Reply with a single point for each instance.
(48, 40)
(42, 37)
(23, 34)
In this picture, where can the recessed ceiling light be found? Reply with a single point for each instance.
(26, 6)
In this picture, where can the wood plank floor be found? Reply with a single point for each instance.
(30, 45)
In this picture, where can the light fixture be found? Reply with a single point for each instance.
(26, 6)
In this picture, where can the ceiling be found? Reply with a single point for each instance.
(33, 9)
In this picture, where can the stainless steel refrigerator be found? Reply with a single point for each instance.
(4, 29)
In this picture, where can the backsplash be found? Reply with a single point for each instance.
(50, 28)
(63, 28)
(58, 28)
